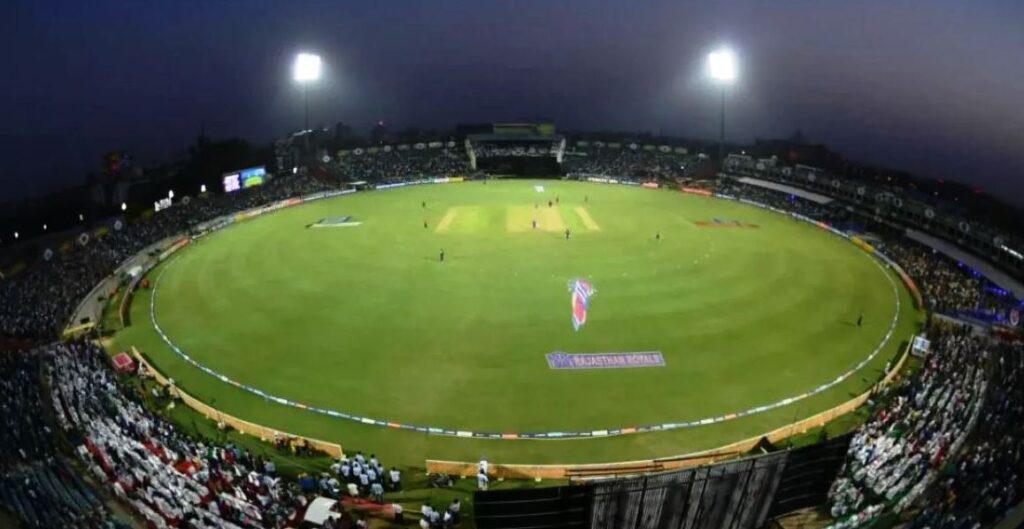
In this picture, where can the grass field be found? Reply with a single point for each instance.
(367, 320)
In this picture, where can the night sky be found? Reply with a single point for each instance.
(933, 87)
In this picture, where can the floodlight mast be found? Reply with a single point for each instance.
(305, 70)
(723, 71)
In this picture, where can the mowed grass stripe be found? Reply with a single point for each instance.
(446, 220)
(587, 220)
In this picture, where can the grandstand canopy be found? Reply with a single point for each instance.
(514, 138)
(795, 191)
(952, 251)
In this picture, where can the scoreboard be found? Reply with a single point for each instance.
(244, 179)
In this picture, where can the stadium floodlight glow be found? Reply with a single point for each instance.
(306, 67)
(202, 188)
(722, 66)
(124, 206)
(722, 69)
(306, 70)
(16, 235)
(44, 227)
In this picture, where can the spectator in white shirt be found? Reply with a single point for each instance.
(396, 479)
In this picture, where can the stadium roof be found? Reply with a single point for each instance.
(796, 191)
(983, 267)
(515, 137)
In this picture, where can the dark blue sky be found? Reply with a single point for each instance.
(935, 87)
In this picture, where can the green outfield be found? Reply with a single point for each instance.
(364, 318)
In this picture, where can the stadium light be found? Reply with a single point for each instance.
(44, 227)
(723, 71)
(202, 188)
(306, 70)
(307, 67)
(124, 206)
(16, 235)
(722, 66)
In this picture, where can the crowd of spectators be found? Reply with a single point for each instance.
(947, 286)
(37, 302)
(165, 477)
(784, 201)
(943, 285)
(168, 478)
(36, 484)
(384, 166)
(987, 478)
(514, 150)
(629, 163)
(914, 431)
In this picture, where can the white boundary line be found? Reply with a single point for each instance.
(607, 432)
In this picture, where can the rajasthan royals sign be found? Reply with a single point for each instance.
(580, 290)
(560, 360)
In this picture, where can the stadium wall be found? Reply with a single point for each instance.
(264, 433)
(587, 471)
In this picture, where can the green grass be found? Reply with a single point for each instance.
(366, 320)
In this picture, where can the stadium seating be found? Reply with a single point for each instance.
(956, 424)
(395, 165)
(925, 417)
(36, 484)
(625, 162)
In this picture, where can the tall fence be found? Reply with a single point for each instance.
(264, 433)
(733, 495)
(810, 471)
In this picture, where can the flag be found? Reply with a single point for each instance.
(580, 291)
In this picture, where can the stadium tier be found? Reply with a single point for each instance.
(733, 348)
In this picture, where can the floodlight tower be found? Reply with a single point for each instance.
(305, 70)
(723, 71)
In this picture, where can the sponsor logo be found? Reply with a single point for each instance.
(560, 360)
(695, 191)
(580, 292)
(335, 222)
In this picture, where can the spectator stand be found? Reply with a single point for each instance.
(261, 432)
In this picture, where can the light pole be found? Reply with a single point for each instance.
(722, 70)
(305, 70)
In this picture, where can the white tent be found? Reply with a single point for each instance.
(320, 510)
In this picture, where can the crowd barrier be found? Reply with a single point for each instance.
(259, 431)
(584, 471)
